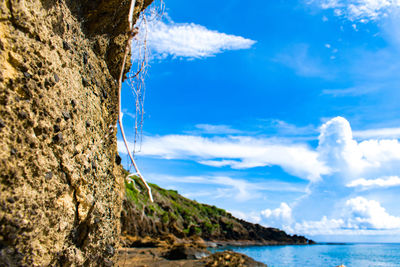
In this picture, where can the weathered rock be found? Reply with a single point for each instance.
(185, 252)
(231, 259)
(70, 217)
(153, 257)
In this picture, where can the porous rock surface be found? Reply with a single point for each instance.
(60, 184)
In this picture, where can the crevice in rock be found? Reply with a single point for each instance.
(13, 20)
(83, 228)
(75, 199)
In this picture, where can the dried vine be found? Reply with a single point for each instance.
(132, 32)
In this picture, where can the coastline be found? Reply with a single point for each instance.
(246, 243)
(194, 251)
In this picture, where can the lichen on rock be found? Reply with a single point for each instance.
(60, 187)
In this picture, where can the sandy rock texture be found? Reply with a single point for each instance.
(60, 184)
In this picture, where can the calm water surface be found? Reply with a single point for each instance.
(351, 255)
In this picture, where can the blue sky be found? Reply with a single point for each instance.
(282, 112)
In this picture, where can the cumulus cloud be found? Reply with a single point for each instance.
(345, 155)
(359, 215)
(362, 10)
(368, 214)
(250, 217)
(324, 226)
(338, 148)
(188, 40)
(375, 183)
(278, 217)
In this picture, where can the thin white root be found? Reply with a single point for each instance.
(120, 114)
(130, 18)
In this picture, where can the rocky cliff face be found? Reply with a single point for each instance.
(60, 186)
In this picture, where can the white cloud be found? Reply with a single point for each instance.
(299, 59)
(380, 152)
(359, 215)
(345, 155)
(222, 186)
(250, 217)
(325, 226)
(378, 133)
(239, 152)
(283, 128)
(188, 40)
(337, 152)
(361, 10)
(373, 183)
(279, 217)
(330, 3)
(368, 214)
(353, 91)
(337, 147)
(334, 168)
(216, 129)
(219, 163)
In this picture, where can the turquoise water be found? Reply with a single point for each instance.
(330, 255)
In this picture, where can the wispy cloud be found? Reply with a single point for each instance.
(224, 186)
(239, 152)
(299, 59)
(362, 10)
(353, 91)
(284, 128)
(378, 133)
(337, 152)
(215, 129)
(250, 217)
(375, 183)
(188, 40)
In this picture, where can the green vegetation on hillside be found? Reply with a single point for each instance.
(171, 208)
(171, 213)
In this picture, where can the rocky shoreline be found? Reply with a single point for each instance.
(170, 251)
(151, 257)
(176, 231)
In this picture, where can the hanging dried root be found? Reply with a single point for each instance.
(132, 33)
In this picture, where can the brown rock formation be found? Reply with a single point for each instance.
(60, 188)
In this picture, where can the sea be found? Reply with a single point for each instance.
(323, 254)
